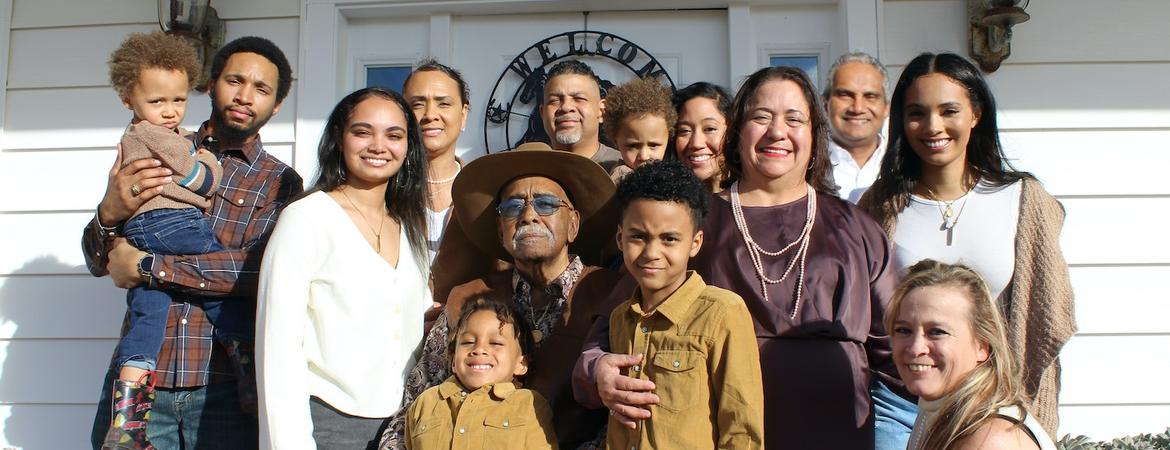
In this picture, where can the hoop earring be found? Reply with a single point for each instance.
(341, 171)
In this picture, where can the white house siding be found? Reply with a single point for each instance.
(1084, 108)
(61, 120)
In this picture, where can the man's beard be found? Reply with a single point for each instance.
(567, 137)
(227, 131)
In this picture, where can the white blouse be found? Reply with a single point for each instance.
(983, 237)
(334, 320)
(436, 224)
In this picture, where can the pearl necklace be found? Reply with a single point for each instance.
(756, 253)
(458, 168)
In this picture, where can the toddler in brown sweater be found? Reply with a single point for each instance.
(153, 74)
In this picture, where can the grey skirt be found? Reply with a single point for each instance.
(335, 430)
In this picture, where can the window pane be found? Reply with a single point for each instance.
(807, 63)
(387, 77)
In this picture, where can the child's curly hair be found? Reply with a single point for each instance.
(636, 98)
(145, 51)
(505, 313)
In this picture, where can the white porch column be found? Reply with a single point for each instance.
(321, 60)
(440, 43)
(742, 52)
(860, 22)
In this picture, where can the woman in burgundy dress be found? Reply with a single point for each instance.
(815, 271)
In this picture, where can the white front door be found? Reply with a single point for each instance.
(494, 52)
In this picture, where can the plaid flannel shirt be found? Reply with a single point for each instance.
(255, 187)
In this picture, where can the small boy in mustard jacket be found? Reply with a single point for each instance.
(698, 340)
(481, 404)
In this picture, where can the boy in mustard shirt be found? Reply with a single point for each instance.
(480, 406)
(698, 340)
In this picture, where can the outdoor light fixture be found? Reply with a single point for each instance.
(198, 23)
(991, 29)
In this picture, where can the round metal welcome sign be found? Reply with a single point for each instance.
(513, 111)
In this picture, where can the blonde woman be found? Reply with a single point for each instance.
(952, 352)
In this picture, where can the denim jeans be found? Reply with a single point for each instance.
(207, 417)
(893, 417)
(170, 232)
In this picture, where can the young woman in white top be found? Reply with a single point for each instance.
(947, 192)
(343, 283)
(439, 97)
(951, 351)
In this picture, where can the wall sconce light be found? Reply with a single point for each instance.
(991, 24)
(198, 23)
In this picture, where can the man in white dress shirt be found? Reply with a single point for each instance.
(858, 106)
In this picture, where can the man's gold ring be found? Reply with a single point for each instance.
(134, 189)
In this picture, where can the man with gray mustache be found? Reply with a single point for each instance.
(538, 209)
(572, 111)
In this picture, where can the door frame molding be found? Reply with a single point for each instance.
(323, 61)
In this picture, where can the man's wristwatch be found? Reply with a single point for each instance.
(144, 267)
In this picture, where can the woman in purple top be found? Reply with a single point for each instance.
(815, 271)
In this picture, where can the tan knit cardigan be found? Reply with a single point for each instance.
(1039, 299)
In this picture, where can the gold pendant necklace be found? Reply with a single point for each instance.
(950, 218)
(538, 335)
(377, 233)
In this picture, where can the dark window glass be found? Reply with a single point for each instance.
(807, 63)
(392, 77)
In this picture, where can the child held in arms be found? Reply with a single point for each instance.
(639, 119)
(153, 74)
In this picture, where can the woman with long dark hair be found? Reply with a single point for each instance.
(947, 192)
(343, 283)
(698, 134)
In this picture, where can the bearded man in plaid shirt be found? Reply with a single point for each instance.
(197, 400)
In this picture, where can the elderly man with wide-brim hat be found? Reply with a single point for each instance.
(537, 209)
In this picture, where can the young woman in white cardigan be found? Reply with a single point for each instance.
(343, 284)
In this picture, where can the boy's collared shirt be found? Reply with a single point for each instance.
(493, 416)
(254, 188)
(701, 353)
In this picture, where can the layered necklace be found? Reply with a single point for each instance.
(757, 253)
(946, 209)
(378, 232)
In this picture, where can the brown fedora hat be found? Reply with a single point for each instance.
(590, 190)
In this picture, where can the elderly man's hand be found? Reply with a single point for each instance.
(123, 264)
(129, 187)
(626, 398)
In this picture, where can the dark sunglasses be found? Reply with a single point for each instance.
(545, 205)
